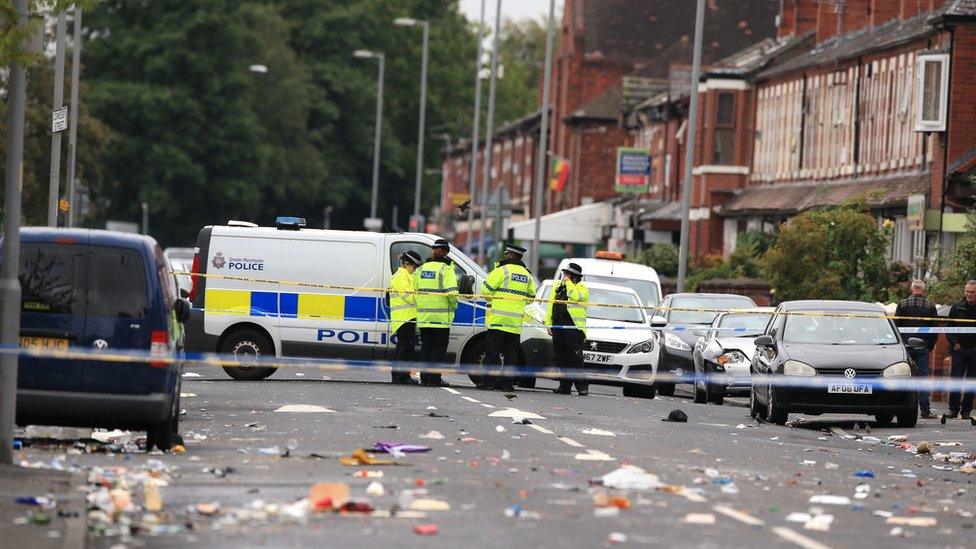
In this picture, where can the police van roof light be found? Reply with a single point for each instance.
(612, 256)
(285, 223)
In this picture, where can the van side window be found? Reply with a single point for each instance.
(398, 248)
(117, 283)
(52, 279)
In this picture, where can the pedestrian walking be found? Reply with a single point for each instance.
(437, 297)
(963, 347)
(917, 306)
(567, 318)
(508, 289)
(403, 313)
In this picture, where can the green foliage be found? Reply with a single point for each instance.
(523, 51)
(837, 253)
(12, 38)
(958, 267)
(661, 257)
(743, 262)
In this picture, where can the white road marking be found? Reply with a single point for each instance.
(571, 442)
(599, 432)
(515, 413)
(304, 408)
(541, 429)
(594, 455)
(452, 391)
(738, 515)
(192, 374)
(486, 405)
(469, 399)
(798, 539)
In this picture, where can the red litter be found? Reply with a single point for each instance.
(425, 529)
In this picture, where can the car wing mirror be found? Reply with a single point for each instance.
(700, 333)
(658, 321)
(915, 343)
(764, 341)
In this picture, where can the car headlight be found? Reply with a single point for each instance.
(900, 369)
(731, 357)
(642, 347)
(797, 368)
(674, 342)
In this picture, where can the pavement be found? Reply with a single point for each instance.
(724, 479)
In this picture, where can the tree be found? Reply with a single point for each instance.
(838, 253)
(523, 51)
(661, 257)
(958, 267)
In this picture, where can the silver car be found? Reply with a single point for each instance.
(724, 351)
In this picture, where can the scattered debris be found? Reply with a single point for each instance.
(699, 518)
(629, 477)
(922, 522)
(327, 496)
(362, 457)
(425, 529)
(677, 416)
(599, 432)
(395, 448)
(433, 435)
(830, 500)
(375, 489)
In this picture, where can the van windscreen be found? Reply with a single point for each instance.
(117, 283)
(52, 279)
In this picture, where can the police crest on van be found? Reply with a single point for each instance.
(219, 261)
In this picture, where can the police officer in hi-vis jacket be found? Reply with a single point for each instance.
(437, 299)
(403, 313)
(508, 288)
(567, 317)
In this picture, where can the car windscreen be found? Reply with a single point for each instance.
(683, 308)
(752, 324)
(838, 330)
(630, 313)
(646, 289)
(117, 283)
(52, 278)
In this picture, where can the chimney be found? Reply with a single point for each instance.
(827, 19)
(797, 17)
(883, 11)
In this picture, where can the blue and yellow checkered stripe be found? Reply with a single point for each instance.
(314, 306)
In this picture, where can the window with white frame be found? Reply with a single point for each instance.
(933, 92)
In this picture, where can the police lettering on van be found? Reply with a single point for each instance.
(237, 263)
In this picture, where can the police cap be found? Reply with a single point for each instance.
(441, 243)
(412, 257)
(517, 250)
(573, 269)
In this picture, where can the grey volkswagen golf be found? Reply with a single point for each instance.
(819, 357)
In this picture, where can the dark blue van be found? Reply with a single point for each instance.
(99, 290)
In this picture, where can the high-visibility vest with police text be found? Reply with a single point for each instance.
(437, 294)
(403, 302)
(577, 296)
(509, 288)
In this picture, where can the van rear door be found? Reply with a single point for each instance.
(118, 318)
(52, 279)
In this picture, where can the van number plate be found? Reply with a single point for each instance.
(44, 343)
(850, 389)
(596, 358)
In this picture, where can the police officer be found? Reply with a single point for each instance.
(403, 313)
(567, 316)
(437, 298)
(508, 288)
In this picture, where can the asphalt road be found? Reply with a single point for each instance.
(485, 464)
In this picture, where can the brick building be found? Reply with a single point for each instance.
(870, 99)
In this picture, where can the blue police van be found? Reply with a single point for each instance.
(104, 291)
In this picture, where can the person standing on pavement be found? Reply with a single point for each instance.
(508, 288)
(963, 348)
(916, 305)
(437, 298)
(567, 318)
(403, 313)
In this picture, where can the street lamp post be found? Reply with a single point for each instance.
(476, 123)
(378, 130)
(690, 156)
(425, 25)
(55, 181)
(542, 160)
(73, 119)
(489, 128)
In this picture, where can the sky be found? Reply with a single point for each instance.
(515, 9)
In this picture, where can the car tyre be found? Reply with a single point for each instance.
(639, 391)
(163, 435)
(774, 413)
(716, 395)
(756, 410)
(248, 343)
(908, 418)
(665, 389)
(701, 392)
(884, 419)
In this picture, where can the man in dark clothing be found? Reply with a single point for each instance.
(917, 306)
(963, 348)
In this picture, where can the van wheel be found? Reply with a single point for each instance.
(639, 391)
(163, 435)
(248, 346)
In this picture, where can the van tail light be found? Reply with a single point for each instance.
(194, 278)
(159, 347)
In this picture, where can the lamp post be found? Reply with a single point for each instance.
(55, 182)
(476, 123)
(489, 128)
(543, 159)
(425, 25)
(73, 119)
(378, 130)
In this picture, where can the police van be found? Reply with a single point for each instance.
(288, 291)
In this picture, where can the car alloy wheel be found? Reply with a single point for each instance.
(774, 413)
(755, 409)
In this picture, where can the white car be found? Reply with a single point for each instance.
(724, 351)
(619, 344)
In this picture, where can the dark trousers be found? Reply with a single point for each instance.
(963, 367)
(567, 347)
(921, 358)
(433, 350)
(501, 356)
(405, 349)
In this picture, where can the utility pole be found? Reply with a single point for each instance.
(543, 159)
(55, 189)
(377, 129)
(145, 217)
(73, 118)
(9, 281)
(489, 143)
(476, 124)
(690, 148)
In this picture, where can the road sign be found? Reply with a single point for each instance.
(417, 223)
(59, 120)
(499, 203)
(373, 223)
(63, 205)
(916, 212)
(633, 170)
(122, 226)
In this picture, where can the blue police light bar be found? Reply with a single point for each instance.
(286, 223)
